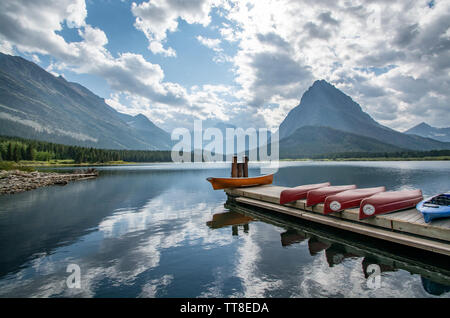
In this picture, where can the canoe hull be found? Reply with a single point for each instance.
(319, 195)
(432, 209)
(389, 201)
(224, 183)
(348, 199)
(300, 192)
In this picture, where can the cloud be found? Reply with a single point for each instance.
(159, 17)
(391, 57)
(32, 26)
(326, 18)
(386, 55)
(213, 44)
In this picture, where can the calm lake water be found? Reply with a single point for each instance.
(160, 230)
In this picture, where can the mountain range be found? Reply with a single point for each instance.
(425, 130)
(35, 104)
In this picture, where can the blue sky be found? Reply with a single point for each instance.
(241, 62)
(193, 65)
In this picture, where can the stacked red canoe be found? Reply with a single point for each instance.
(299, 193)
(319, 195)
(372, 201)
(348, 199)
(390, 201)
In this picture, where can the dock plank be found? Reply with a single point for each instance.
(401, 215)
(443, 222)
(408, 221)
(418, 217)
(379, 233)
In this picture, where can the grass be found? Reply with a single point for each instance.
(11, 165)
(69, 162)
(30, 166)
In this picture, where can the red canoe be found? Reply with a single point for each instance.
(390, 201)
(348, 199)
(318, 195)
(298, 193)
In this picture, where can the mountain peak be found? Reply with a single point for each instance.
(326, 89)
(427, 131)
(141, 117)
(423, 125)
(321, 83)
(324, 105)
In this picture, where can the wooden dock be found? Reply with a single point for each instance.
(404, 227)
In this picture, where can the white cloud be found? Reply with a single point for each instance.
(213, 44)
(6, 47)
(159, 17)
(32, 26)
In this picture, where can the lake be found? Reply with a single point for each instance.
(159, 230)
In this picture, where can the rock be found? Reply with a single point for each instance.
(19, 181)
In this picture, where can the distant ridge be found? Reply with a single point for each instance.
(310, 140)
(35, 104)
(427, 131)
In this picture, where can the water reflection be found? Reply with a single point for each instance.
(116, 228)
(434, 288)
(292, 236)
(336, 254)
(35, 233)
(368, 260)
(160, 231)
(233, 219)
(435, 282)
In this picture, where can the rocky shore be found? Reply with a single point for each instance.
(14, 181)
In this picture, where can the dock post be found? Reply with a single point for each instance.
(240, 169)
(234, 168)
(245, 167)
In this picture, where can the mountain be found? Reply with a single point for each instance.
(427, 131)
(311, 140)
(323, 105)
(140, 123)
(35, 104)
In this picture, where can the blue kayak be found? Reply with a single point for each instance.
(435, 207)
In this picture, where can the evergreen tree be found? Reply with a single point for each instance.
(16, 153)
(30, 153)
(23, 151)
(9, 152)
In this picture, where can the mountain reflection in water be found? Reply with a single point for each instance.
(158, 230)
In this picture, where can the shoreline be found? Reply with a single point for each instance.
(445, 158)
(123, 163)
(15, 181)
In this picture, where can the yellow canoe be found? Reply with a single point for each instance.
(223, 183)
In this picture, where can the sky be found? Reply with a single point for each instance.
(241, 62)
